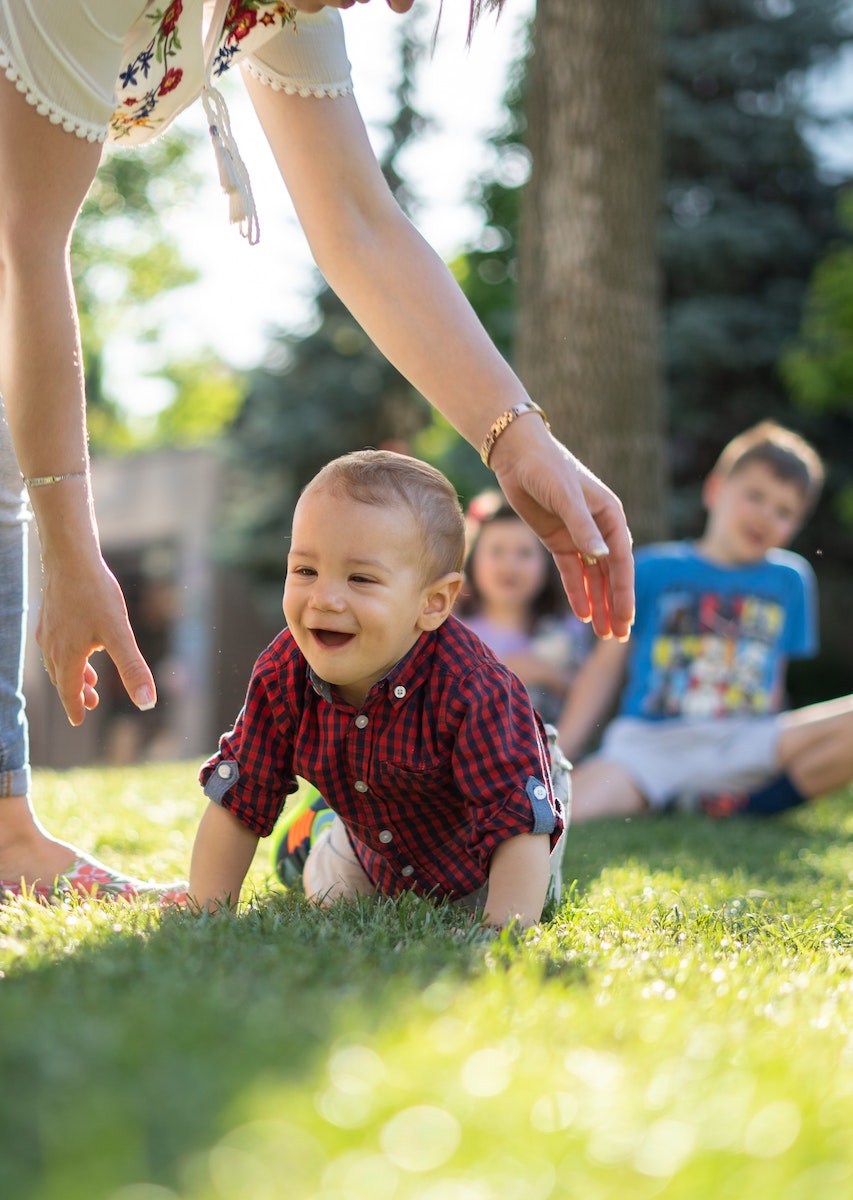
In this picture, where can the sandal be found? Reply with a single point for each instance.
(91, 879)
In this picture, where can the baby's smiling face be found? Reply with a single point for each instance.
(355, 596)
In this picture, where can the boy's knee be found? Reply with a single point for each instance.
(604, 789)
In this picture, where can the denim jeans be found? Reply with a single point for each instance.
(14, 515)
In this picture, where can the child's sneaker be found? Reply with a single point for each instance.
(719, 806)
(724, 805)
(296, 839)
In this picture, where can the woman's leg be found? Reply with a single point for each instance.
(25, 849)
(14, 743)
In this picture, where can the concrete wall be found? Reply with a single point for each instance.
(158, 517)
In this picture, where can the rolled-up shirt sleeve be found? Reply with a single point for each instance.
(252, 773)
(501, 766)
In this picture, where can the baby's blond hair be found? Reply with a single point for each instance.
(383, 478)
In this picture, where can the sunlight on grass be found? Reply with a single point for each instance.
(682, 1027)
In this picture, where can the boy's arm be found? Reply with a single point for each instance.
(222, 854)
(592, 695)
(518, 879)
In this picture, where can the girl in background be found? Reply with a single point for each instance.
(514, 601)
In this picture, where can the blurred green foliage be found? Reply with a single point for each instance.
(819, 367)
(746, 218)
(123, 263)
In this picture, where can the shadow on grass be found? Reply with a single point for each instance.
(125, 1054)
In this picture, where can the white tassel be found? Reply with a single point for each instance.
(228, 178)
(237, 210)
(233, 175)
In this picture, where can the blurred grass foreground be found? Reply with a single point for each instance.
(682, 1027)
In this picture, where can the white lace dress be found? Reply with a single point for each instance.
(122, 70)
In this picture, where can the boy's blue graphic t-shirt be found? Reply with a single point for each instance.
(713, 641)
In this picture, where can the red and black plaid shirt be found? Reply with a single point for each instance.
(444, 760)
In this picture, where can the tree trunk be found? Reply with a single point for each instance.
(589, 321)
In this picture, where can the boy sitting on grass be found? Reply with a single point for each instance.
(424, 746)
(701, 724)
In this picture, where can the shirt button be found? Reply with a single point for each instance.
(386, 836)
(224, 770)
(540, 792)
(407, 871)
(399, 691)
(360, 721)
(360, 785)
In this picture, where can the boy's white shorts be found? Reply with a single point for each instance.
(670, 759)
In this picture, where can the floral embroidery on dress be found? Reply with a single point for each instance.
(156, 71)
(137, 110)
(241, 18)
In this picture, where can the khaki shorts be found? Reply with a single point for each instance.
(332, 871)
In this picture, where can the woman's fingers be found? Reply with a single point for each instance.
(89, 615)
(581, 522)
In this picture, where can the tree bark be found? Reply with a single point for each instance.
(588, 344)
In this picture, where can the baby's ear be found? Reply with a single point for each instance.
(439, 598)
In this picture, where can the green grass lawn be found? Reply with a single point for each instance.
(682, 1027)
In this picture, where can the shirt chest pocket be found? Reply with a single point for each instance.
(405, 784)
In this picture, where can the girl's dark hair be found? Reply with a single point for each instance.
(475, 11)
(550, 600)
(476, 8)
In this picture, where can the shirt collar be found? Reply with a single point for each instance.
(401, 680)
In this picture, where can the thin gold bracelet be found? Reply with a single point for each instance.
(44, 480)
(504, 421)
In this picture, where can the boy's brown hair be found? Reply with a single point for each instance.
(788, 455)
(383, 477)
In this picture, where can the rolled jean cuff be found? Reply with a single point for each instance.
(15, 782)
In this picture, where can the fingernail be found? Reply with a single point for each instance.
(144, 699)
(600, 550)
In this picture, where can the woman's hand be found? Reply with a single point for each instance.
(82, 611)
(578, 519)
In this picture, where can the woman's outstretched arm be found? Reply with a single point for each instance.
(46, 173)
(410, 305)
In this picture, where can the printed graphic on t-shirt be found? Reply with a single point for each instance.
(714, 655)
